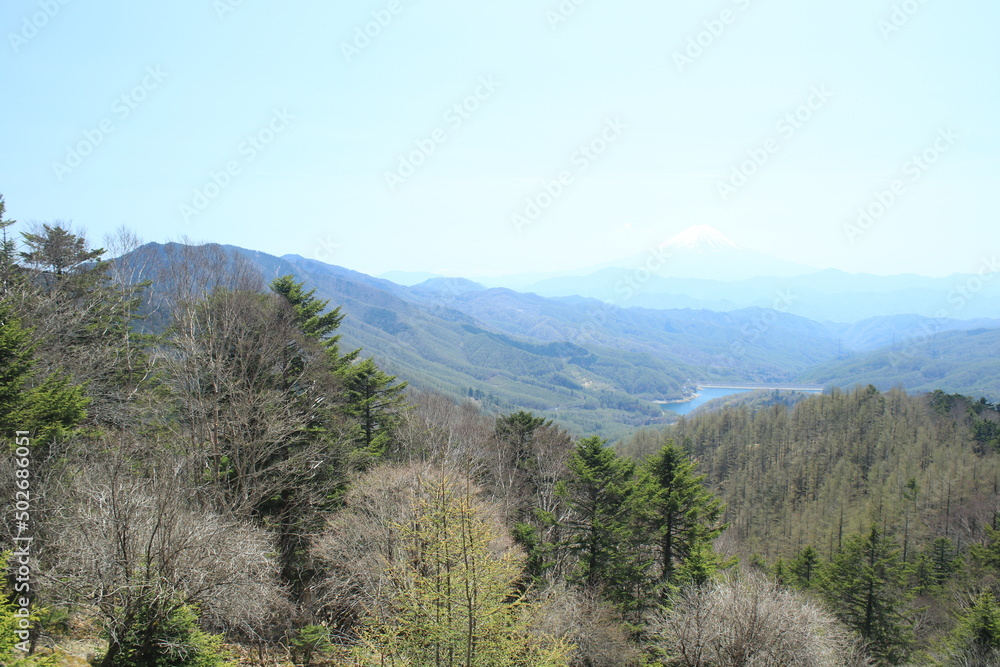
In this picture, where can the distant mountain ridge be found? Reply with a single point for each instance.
(599, 367)
(701, 268)
(965, 362)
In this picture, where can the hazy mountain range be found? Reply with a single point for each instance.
(703, 269)
(603, 366)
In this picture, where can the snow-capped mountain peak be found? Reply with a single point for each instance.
(701, 239)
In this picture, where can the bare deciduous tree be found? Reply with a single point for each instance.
(746, 620)
(592, 625)
(128, 543)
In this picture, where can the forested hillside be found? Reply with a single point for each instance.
(915, 478)
(234, 484)
(590, 387)
(596, 367)
(954, 361)
(204, 473)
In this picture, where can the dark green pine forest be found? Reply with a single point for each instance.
(213, 475)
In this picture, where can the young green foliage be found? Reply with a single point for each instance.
(455, 594)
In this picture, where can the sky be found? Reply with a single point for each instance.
(490, 138)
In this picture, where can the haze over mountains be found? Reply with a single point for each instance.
(603, 351)
(701, 268)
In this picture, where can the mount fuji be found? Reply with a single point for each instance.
(704, 252)
(701, 239)
(699, 254)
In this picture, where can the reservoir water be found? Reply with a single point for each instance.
(704, 396)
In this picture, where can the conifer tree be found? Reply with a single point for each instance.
(804, 567)
(603, 529)
(8, 252)
(375, 400)
(866, 585)
(47, 408)
(63, 258)
(975, 640)
(988, 554)
(945, 560)
(312, 320)
(682, 515)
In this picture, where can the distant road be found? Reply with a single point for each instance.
(747, 385)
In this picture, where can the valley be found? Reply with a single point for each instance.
(307, 412)
(500, 334)
(601, 367)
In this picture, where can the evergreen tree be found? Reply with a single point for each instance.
(374, 400)
(516, 431)
(82, 314)
(988, 554)
(16, 361)
(48, 408)
(8, 253)
(531, 455)
(804, 567)
(975, 640)
(866, 585)
(312, 320)
(945, 560)
(682, 515)
(62, 257)
(603, 529)
(518, 428)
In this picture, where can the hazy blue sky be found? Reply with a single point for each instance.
(119, 113)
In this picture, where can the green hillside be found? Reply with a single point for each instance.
(966, 362)
(589, 388)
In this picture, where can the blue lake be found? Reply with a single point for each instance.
(704, 396)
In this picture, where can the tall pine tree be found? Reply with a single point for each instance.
(682, 517)
(375, 401)
(312, 320)
(866, 584)
(603, 534)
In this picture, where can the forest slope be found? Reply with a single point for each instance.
(589, 387)
(830, 465)
(966, 362)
